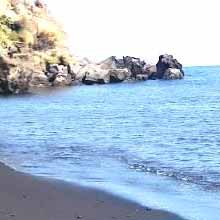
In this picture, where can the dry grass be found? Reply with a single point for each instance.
(48, 28)
(26, 37)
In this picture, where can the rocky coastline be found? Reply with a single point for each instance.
(34, 55)
(111, 70)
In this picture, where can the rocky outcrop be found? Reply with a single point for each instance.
(39, 80)
(111, 70)
(13, 80)
(118, 75)
(59, 75)
(92, 74)
(33, 48)
(173, 73)
(169, 68)
(135, 66)
(95, 74)
(55, 75)
(17, 79)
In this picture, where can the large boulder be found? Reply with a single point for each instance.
(64, 76)
(134, 65)
(169, 68)
(78, 72)
(59, 75)
(113, 63)
(173, 73)
(118, 75)
(39, 79)
(93, 74)
(98, 74)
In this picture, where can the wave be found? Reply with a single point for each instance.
(209, 180)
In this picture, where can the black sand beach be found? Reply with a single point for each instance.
(24, 197)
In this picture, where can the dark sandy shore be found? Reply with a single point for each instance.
(24, 197)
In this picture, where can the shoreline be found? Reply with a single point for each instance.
(26, 197)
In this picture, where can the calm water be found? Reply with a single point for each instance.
(156, 142)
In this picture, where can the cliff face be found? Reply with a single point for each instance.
(30, 40)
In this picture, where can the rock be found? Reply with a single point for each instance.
(111, 63)
(91, 80)
(100, 73)
(19, 81)
(151, 72)
(142, 77)
(118, 75)
(77, 71)
(4, 73)
(63, 78)
(39, 79)
(16, 79)
(12, 50)
(148, 72)
(13, 80)
(172, 73)
(71, 72)
(52, 70)
(93, 74)
(134, 65)
(168, 62)
(55, 75)
(59, 75)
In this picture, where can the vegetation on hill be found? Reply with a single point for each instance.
(30, 39)
(30, 25)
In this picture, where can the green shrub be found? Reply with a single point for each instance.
(7, 35)
(52, 58)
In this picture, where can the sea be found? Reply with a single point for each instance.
(154, 142)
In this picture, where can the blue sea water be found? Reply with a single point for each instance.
(155, 142)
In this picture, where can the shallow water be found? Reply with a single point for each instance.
(155, 142)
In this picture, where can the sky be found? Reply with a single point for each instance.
(97, 29)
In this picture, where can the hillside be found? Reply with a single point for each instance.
(30, 40)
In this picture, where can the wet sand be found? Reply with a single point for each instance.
(25, 197)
